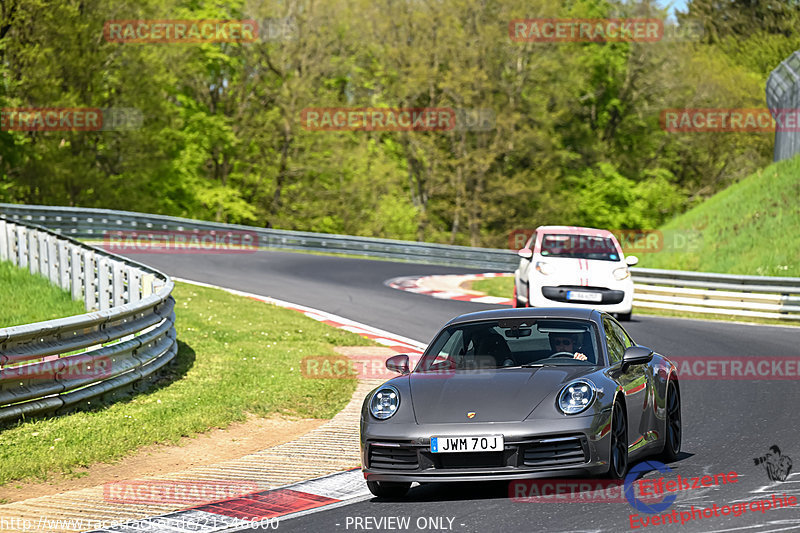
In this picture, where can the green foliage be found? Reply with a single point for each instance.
(222, 137)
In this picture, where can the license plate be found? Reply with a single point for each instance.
(585, 296)
(491, 443)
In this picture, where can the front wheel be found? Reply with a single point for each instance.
(672, 441)
(618, 457)
(388, 489)
(517, 302)
(623, 317)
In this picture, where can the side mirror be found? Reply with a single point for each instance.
(637, 355)
(398, 363)
(631, 260)
(525, 253)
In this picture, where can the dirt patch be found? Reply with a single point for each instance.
(217, 445)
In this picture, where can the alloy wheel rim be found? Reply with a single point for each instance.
(619, 446)
(674, 417)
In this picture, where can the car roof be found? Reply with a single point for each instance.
(575, 230)
(529, 312)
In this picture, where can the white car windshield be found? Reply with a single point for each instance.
(579, 247)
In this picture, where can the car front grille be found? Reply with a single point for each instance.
(393, 457)
(554, 452)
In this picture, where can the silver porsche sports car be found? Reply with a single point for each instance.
(520, 393)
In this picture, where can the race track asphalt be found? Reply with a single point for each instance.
(726, 422)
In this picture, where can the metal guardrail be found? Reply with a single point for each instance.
(127, 334)
(697, 292)
(85, 223)
(721, 294)
(783, 95)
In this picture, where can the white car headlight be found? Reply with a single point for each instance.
(384, 402)
(543, 267)
(621, 273)
(576, 397)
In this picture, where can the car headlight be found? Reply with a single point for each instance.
(576, 397)
(384, 402)
(543, 267)
(621, 273)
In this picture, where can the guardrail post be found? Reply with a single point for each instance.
(22, 246)
(103, 285)
(134, 284)
(11, 237)
(76, 271)
(52, 258)
(41, 250)
(3, 241)
(89, 281)
(118, 283)
(63, 264)
(33, 256)
(147, 285)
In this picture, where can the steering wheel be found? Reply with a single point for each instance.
(561, 354)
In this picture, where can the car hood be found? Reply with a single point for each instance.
(496, 395)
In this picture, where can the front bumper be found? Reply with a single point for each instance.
(613, 300)
(566, 447)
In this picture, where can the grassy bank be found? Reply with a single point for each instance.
(25, 298)
(236, 356)
(749, 228)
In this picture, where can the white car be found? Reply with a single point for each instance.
(568, 266)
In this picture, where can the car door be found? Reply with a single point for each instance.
(634, 381)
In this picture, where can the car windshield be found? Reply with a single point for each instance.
(579, 247)
(511, 343)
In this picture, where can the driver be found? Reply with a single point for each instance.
(566, 342)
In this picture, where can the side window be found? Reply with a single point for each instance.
(451, 350)
(627, 342)
(615, 346)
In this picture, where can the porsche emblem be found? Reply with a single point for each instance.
(471, 414)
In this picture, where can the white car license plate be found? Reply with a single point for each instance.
(585, 296)
(491, 443)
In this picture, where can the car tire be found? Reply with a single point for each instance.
(674, 426)
(618, 453)
(623, 317)
(388, 489)
(517, 302)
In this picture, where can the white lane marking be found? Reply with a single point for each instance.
(491, 300)
(343, 486)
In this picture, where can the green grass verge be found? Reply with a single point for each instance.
(236, 356)
(503, 287)
(749, 228)
(30, 298)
